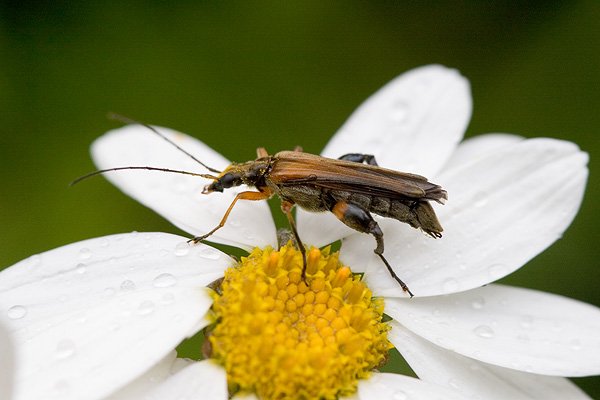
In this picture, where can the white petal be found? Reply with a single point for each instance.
(6, 364)
(412, 124)
(511, 327)
(503, 210)
(199, 380)
(475, 379)
(480, 146)
(397, 387)
(91, 316)
(320, 229)
(152, 378)
(178, 197)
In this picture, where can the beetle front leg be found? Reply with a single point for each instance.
(361, 220)
(286, 207)
(359, 158)
(263, 195)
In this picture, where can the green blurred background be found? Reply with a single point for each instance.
(276, 74)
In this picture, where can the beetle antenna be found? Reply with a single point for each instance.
(175, 171)
(126, 120)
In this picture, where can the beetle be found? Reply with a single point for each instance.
(352, 187)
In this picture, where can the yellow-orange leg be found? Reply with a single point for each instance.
(286, 207)
(262, 195)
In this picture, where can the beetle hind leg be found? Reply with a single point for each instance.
(361, 220)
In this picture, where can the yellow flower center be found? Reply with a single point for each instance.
(282, 337)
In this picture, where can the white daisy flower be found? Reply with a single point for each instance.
(101, 317)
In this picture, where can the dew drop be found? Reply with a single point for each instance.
(450, 285)
(575, 344)
(127, 285)
(453, 383)
(210, 254)
(497, 270)
(164, 253)
(478, 303)
(80, 269)
(399, 395)
(480, 199)
(400, 111)
(164, 280)
(63, 298)
(146, 307)
(85, 253)
(235, 223)
(104, 242)
(65, 349)
(168, 298)
(182, 249)
(16, 312)
(35, 261)
(484, 331)
(109, 292)
(524, 338)
(526, 321)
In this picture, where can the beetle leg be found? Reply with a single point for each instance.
(360, 158)
(261, 152)
(286, 207)
(361, 220)
(263, 195)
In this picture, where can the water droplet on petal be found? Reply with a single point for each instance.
(526, 321)
(453, 383)
(182, 249)
(127, 285)
(168, 298)
(497, 271)
(210, 253)
(575, 344)
(109, 292)
(400, 111)
(450, 285)
(65, 349)
(480, 199)
(85, 253)
(399, 395)
(16, 312)
(478, 303)
(80, 269)
(146, 307)
(484, 331)
(104, 242)
(164, 280)
(35, 261)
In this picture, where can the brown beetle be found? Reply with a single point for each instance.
(351, 187)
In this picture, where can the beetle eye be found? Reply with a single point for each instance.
(227, 180)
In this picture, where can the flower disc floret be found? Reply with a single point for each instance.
(281, 336)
